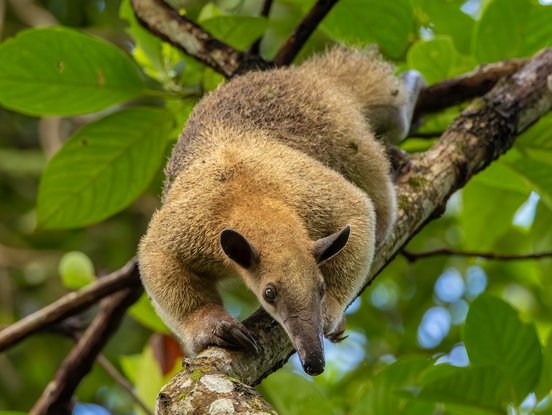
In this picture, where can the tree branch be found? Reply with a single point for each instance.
(165, 22)
(302, 32)
(56, 398)
(484, 131)
(70, 304)
(441, 95)
(255, 48)
(414, 256)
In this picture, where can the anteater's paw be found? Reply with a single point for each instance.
(218, 328)
(337, 334)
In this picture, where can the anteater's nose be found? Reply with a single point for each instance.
(314, 368)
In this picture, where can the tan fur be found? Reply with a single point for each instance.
(285, 157)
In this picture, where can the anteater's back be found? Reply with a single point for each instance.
(321, 108)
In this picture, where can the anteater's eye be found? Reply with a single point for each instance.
(269, 293)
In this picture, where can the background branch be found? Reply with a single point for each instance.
(453, 91)
(483, 131)
(70, 304)
(105, 364)
(302, 32)
(56, 398)
(165, 22)
(414, 256)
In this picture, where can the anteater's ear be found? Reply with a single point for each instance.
(327, 247)
(237, 248)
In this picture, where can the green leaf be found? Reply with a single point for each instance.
(535, 172)
(103, 168)
(145, 374)
(59, 71)
(238, 31)
(292, 394)
(148, 47)
(477, 212)
(494, 335)
(143, 312)
(388, 23)
(511, 28)
(446, 18)
(535, 142)
(12, 413)
(544, 386)
(383, 395)
(434, 58)
(76, 270)
(482, 387)
(159, 60)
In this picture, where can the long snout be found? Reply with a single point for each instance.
(306, 336)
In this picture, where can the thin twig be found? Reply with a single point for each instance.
(105, 364)
(302, 32)
(56, 397)
(122, 382)
(70, 304)
(414, 256)
(265, 11)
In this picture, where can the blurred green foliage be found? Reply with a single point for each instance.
(423, 338)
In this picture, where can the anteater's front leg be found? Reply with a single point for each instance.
(190, 304)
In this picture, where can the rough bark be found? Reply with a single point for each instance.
(484, 131)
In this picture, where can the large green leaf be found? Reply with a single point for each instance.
(388, 23)
(480, 199)
(511, 28)
(446, 18)
(434, 58)
(383, 395)
(544, 386)
(481, 387)
(536, 142)
(143, 312)
(238, 31)
(494, 335)
(103, 167)
(64, 72)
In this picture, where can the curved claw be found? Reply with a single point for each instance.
(245, 339)
(337, 337)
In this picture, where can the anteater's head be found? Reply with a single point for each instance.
(285, 276)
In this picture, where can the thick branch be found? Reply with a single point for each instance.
(165, 22)
(484, 131)
(302, 32)
(70, 304)
(453, 91)
(414, 256)
(56, 398)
